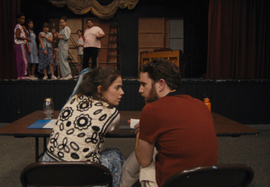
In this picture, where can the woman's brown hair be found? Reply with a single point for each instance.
(102, 76)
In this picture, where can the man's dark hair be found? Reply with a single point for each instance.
(163, 69)
(89, 20)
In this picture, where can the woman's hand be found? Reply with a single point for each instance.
(28, 39)
(45, 52)
(56, 34)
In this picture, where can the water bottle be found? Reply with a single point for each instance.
(48, 108)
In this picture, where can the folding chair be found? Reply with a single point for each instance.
(65, 174)
(228, 175)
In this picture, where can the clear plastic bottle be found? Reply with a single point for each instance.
(48, 108)
(207, 103)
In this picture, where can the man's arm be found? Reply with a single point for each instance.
(100, 36)
(143, 151)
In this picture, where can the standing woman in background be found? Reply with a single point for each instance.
(20, 41)
(64, 36)
(32, 49)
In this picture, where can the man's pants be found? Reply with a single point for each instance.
(132, 171)
(90, 52)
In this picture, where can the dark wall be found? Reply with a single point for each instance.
(195, 14)
(245, 101)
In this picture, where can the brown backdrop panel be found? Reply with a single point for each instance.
(151, 25)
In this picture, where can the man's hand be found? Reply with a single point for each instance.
(100, 36)
(137, 128)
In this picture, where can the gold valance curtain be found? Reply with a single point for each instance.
(103, 12)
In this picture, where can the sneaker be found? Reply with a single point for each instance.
(54, 77)
(32, 77)
(25, 78)
(45, 78)
(68, 77)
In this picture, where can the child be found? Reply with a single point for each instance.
(80, 44)
(46, 53)
(56, 61)
(32, 49)
(20, 40)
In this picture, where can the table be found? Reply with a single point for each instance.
(223, 126)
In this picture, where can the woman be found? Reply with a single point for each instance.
(20, 41)
(80, 44)
(32, 49)
(64, 36)
(81, 126)
(46, 53)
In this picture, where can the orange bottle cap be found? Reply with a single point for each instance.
(206, 100)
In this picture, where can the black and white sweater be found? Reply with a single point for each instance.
(78, 134)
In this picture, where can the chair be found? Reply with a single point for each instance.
(229, 175)
(65, 174)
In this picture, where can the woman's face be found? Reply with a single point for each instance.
(21, 20)
(30, 25)
(114, 93)
(79, 33)
(45, 29)
(62, 23)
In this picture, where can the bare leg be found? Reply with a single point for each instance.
(33, 68)
(58, 70)
(45, 72)
(51, 69)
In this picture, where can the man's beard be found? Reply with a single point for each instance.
(152, 95)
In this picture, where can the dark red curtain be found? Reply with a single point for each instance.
(8, 12)
(238, 39)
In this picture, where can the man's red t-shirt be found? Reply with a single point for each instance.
(183, 131)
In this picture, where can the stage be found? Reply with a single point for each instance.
(245, 101)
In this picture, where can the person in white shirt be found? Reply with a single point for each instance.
(93, 35)
(80, 44)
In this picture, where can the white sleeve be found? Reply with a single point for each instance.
(114, 123)
(101, 31)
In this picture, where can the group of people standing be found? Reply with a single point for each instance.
(46, 56)
(27, 50)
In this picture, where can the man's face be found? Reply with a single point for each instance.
(89, 24)
(147, 88)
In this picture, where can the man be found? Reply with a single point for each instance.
(92, 44)
(180, 128)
